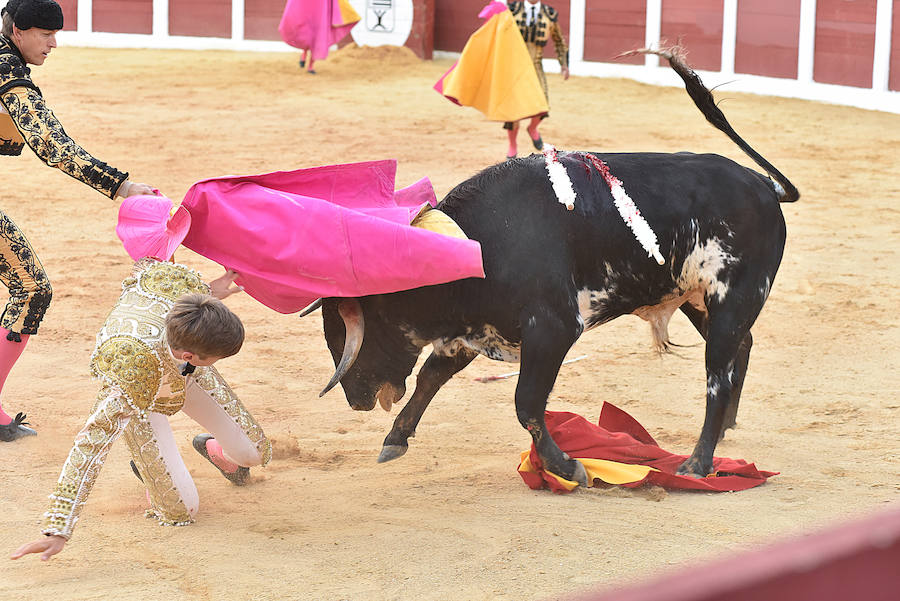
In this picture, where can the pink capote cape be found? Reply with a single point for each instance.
(149, 227)
(337, 230)
(495, 73)
(316, 24)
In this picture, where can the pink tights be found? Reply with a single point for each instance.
(10, 351)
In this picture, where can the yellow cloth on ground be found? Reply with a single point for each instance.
(495, 73)
(611, 472)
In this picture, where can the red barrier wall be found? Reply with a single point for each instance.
(845, 42)
(203, 18)
(261, 19)
(70, 14)
(612, 27)
(421, 37)
(123, 16)
(854, 561)
(456, 20)
(767, 38)
(894, 80)
(699, 25)
(564, 15)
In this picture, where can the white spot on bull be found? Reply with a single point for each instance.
(486, 341)
(714, 381)
(702, 268)
(590, 301)
(779, 190)
(765, 289)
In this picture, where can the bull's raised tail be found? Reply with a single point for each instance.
(703, 98)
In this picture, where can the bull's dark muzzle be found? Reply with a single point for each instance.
(362, 404)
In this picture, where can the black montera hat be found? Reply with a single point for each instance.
(45, 14)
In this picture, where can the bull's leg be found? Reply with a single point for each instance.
(737, 384)
(435, 372)
(728, 343)
(546, 339)
(699, 319)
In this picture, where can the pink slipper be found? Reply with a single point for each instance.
(236, 474)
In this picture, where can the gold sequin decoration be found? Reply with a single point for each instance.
(170, 281)
(168, 506)
(131, 365)
(79, 473)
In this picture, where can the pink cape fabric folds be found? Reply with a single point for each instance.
(337, 230)
(148, 226)
(316, 24)
(619, 437)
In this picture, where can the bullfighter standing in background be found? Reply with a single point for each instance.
(538, 22)
(28, 35)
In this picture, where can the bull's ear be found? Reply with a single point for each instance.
(351, 312)
(310, 308)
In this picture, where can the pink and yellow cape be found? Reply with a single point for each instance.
(495, 73)
(316, 25)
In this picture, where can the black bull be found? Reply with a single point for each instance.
(551, 273)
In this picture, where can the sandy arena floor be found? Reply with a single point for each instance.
(452, 520)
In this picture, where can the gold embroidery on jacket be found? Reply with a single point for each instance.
(134, 363)
(130, 364)
(537, 34)
(131, 350)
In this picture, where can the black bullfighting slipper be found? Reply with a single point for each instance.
(302, 63)
(16, 429)
(539, 143)
(135, 470)
(238, 477)
(510, 157)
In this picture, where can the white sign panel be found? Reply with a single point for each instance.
(383, 23)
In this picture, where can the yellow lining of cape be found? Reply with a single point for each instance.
(348, 13)
(433, 220)
(611, 472)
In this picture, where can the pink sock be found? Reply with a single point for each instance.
(214, 450)
(9, 354)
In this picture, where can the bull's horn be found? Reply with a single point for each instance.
(312, 307)
(351, 312)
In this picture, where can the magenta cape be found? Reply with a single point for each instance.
(338, 230)
(316, 24)
(619, 437)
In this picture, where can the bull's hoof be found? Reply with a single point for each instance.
(392, 451)
(580, 474)
(693, 468)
